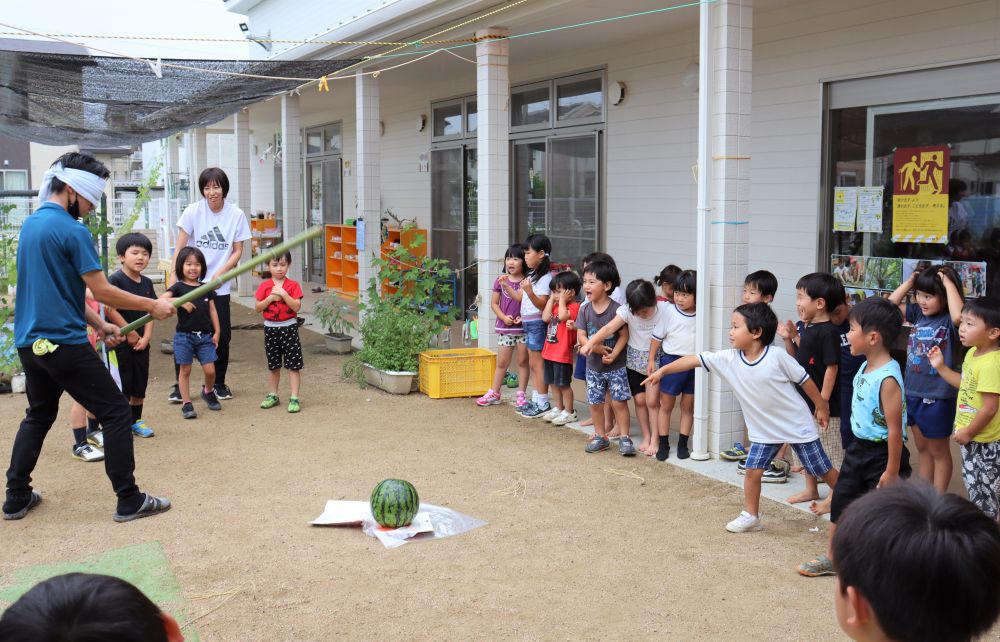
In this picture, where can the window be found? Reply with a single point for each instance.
(13, 179)
(325, 140)
(454, 119)
(579, 100)
(954, 144)
(531, 107)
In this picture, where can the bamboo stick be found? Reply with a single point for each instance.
(209, 286)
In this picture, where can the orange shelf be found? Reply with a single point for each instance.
(342, 271)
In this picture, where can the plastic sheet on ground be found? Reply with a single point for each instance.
(431, 522)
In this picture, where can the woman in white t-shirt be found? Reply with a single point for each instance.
(533, 295)
(218, 229)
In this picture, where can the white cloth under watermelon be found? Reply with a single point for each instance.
(431, 522)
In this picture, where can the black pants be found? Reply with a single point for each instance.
(225, 336)
(77, 370)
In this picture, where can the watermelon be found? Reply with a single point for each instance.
(394, 503)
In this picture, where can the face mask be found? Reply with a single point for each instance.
(74, 208)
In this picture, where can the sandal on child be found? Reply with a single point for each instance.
(817, 567)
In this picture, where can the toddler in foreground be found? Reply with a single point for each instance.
(279, 300)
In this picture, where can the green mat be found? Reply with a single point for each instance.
(144, 565)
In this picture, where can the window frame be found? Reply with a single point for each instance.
(321, 130)
(566, 80)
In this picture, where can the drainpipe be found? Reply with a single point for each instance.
(699, 449)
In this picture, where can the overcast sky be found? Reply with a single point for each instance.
(185, 18)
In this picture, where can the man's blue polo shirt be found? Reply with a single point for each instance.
(53, 251)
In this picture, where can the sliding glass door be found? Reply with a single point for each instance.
(454, 216)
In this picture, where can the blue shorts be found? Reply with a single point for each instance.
(679, 383)
(811, 454)
(188, 345)
(934, 417)
(535, 333)
(580, 372)
(600, 383)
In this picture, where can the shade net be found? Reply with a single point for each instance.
(62, 99)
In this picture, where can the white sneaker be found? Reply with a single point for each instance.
(565, 417)
(87, 452)
(744, 523)
(552, 414)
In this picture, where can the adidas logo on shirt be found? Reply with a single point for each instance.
(213, 240)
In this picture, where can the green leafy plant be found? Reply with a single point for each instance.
(409, 302)
(142, 198)
(10, 364)
(331, 312)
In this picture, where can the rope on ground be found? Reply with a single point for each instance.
(516, 490)
(230, 594)
(631, 474)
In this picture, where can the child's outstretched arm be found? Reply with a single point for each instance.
(216, 331)
(955, 302)
(683, 364)
(891, 396)
(822, 406)
(936, 358)
(604, 333)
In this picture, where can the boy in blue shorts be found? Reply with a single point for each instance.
(877, 456)
(766, 381)
(606, 363)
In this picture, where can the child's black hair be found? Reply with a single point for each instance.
(904, 546)
(604, 272)
(821, 285)
(567, 280)
(640, 294)
(876, 314)
(599, 256)
(287, 256)
(687, 283)
(83, 606)
(539, 243)
(213, 175)
(929, 282)
(759, 316)
(765, 282)
(133, 239)
(516, 251)
(985, 308)
(183, 256)
(667, 275)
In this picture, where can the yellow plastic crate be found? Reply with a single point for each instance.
(461, 372)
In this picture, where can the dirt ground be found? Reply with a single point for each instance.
(583, 554)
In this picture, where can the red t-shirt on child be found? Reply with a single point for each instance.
(562, 350)
(278, 310)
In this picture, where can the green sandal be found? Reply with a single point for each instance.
(270, 401)
(817, 567)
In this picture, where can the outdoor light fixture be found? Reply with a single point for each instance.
(421, 122)
(617, 93)
(263, 42)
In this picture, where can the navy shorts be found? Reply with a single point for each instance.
(934, 417)
(188, 345)
(811, 454)
(580, 372)
(535, 333)
(558, 374)
(679, 383)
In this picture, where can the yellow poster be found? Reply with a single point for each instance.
(920, 195)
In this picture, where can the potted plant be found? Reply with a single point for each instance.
(331, 312)
(409, 302)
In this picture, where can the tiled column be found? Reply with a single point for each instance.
(368, 173)
(240, 192)
(292, 214)
(493, 157)
(729, 197)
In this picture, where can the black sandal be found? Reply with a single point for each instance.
(150, 506)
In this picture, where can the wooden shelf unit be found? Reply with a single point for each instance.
(341, 245)
(406, 238)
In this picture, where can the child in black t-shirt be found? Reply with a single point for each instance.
(134, 250)
(197, 332)
(815, 344)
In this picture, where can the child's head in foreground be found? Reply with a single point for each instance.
(81, 607)
(641, 298)
(913, 565)
(600, 279)
(817, 294)
(759, 287)
(752, 322)
(191, 264)
(686, 290)
(278, 266)
(980, 325)
(875, 324)
(134, 250)
(567, 281)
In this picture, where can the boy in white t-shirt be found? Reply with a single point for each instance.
(217, 228)
(764, 380)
